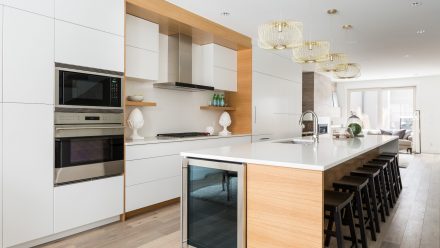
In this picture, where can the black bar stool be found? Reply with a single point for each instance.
(396, 164)
(388, 180)
(393, 173)
(375, 191)
(358, 186)
(386, 193)
(340, 208)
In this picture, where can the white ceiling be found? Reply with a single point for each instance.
(383, 40)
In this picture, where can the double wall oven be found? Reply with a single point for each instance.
(89, 130)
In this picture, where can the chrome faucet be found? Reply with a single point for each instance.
(315, 124)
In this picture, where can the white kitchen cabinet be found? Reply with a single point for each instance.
(150, 193)
(220, 67)
(141, 64)
(27, 172)
(152, 169)
(1, 173)
(104, 15)
(1, 56)
(78, 45)
(276, 65)
(42, 7)
(142, 34)
(28, 57)
(83, 203)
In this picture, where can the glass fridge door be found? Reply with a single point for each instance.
(214, 200)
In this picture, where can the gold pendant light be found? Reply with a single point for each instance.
(348, 70)
(280, 34)
(311, 52)
(334, 59)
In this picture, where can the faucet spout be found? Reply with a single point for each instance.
(315, 124)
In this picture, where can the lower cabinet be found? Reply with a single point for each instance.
(83, 203)
(28, 144)
(153, 171)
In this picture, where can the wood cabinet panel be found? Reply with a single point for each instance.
(284, 207)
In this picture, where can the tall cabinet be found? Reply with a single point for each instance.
(276, 96)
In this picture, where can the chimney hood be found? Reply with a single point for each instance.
(180, 65)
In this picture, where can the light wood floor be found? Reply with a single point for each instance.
(414, 221)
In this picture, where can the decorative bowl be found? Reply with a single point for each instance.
(136, 98)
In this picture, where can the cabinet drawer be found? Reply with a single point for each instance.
(146, 194)
(77, 45)
(92, 14)
(142, 34)
(152, 169)
(80, 204)
(142, 64)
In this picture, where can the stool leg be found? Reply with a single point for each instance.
(396, 161)
(384, 192)
(395, 180)
(329, 230)
(374, 201)
(360, 211)
(391, 197)
(379, 196)
(370, 214)
(338, 222)
(350, 220)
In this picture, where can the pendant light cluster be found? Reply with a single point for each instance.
(286, 34)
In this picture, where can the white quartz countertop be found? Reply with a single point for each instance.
(322, 156)
(155, 140)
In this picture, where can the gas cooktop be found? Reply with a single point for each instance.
(182, 135)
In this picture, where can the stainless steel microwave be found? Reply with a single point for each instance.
(80, 87)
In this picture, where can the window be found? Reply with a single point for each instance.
(384, 108)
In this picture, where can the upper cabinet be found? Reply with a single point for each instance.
(220, 67)
(78, 45)
(42, 7)
(28, 45)
(142, 49)
(104, 15)
(90, 35)
(142, 34)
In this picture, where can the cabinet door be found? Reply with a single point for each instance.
(142, 34)
(142, 64)
(42, 7)
(152, 169)
(104, 15)
(225, 79)
(225, 57)
(87, 202)
(27, 172)
(1, 54)
(1, 173)
(77, 45)
(28, 57)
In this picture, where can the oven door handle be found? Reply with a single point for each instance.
(76, 128)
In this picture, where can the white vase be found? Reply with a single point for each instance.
(225, 122)
(135, 121)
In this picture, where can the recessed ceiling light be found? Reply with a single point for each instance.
(347, 26)
(225, 13)
(332, 11)
(416, 4)
(421, 31)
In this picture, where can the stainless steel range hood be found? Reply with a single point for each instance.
(180, 65)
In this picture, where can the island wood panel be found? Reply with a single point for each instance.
(242, 99)
(345, 168)
(173, 19)
(284, 207)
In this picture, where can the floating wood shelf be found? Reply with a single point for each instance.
(217, 108)
(140, 104)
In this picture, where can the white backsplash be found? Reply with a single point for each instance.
(176, 111)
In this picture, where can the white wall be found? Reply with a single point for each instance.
(176, 111)
(427, 101)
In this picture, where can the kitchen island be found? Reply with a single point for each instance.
(283, 185)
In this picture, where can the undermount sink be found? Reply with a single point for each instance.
(296, 141)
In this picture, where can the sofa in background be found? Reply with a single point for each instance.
(405, 137)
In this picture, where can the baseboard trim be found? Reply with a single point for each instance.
(154, 207)
(67, 233)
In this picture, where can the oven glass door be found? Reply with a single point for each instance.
(76, 151)
(81, 89)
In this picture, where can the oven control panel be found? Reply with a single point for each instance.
(88, 118)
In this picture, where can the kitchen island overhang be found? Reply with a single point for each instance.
(285, 184)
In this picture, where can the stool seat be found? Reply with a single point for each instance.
(367, 171)
(352, 181)
(335, 199)
(380, 164)
(391, 154)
